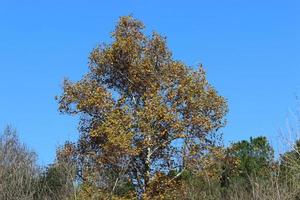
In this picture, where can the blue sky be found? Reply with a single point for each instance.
(250, 50)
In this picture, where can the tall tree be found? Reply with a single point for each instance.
(253, 159)
(142, 112)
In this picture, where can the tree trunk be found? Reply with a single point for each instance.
(147, 165)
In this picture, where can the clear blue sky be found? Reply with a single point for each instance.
(250, 50)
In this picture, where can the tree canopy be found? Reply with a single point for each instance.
(143, 113)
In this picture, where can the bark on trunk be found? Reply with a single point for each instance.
(147, 165)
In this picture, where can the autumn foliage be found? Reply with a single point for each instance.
(143, 113)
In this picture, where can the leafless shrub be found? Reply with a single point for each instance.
(18, 169)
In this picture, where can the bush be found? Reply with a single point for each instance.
(18, 169)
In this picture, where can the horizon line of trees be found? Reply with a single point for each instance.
(245, 169)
